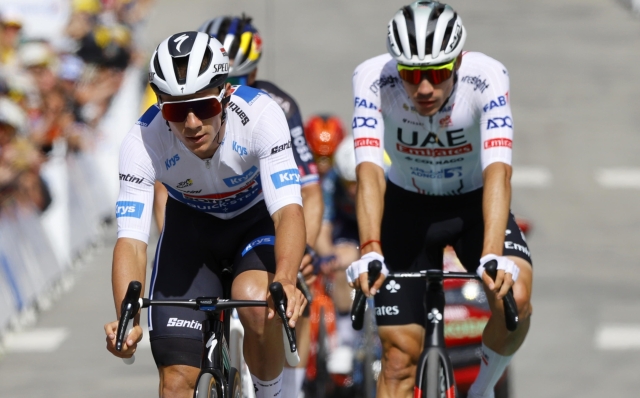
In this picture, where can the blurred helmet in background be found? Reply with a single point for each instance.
(344, 160)
(187, 63)
(239, 38)
(425, 33)
(12, 115)
(323, 134)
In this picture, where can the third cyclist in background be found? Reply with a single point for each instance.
(244, 46)
(444, 118)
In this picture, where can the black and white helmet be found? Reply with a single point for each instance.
(240, 38)
(187, 63)
(425, 33)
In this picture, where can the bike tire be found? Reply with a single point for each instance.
(435, 379)
(208, 387)
(235, 384)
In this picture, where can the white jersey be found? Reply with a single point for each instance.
(443, 154)
(254, 162)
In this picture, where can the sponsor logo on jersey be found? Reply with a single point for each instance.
(169, 163)
(362, 103)
(516, 246)
(131, 178)
(148, 116)
(233, 107)
(386, 80)
(455, 144)
(248, 94)
(285, 177)
(497, 142)
(129, 209)
(477, 82)
(224, 202)
(453, 172)
(413, 122)
(239, 148)
(366, 141)
(409, 108)
(280, 148)
(184, 323)
(432, 161)
(447, 108)
(186, 183)
(241, 179)
(263, 240)
(497, 103)
(387, 310)
(301, 144)
(393, 286)
(359, 121)
(221, 67)
(445, 121)
(498, 122)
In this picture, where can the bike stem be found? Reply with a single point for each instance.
(434, 313)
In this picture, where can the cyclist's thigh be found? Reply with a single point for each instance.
(256, 249)
(402, 344)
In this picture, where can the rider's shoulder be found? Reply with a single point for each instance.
(477, 63)
(281, 97)
(372, 68)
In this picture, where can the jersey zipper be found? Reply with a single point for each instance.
(207, 162)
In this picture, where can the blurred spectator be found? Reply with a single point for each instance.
(10, 27)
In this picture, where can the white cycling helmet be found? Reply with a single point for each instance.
(187, 63)
(425, 33)
(240, 38)
(344, 160)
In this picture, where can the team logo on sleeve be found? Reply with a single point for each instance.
(280, 148)
(498, 142)
(285, 177)
(366, 141)
(129, 209)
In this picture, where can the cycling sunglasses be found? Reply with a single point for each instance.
(238, 80)
(203, 108)
(434, 74)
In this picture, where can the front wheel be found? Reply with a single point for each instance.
(235, 384)
(207, 387)
(435, 379)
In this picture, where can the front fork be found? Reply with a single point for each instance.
(215, 354)
(434, 342)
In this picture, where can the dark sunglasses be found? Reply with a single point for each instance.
(203, 108)
(433, 74)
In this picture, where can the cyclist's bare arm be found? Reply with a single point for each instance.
(129, 264)
(496, 202)
(369, 209)
(289, 247)
(313, 207)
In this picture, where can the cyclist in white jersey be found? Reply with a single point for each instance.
(233, 216)
(444, 118)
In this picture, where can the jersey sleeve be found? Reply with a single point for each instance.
(279, 174)
(367, 123)
(301, 153)
(134, 207)
(496, 121)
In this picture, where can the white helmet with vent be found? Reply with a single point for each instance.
(187, 63)
(425, 33)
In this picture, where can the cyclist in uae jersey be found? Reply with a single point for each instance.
(444, 118)
(233, 221)
(244, 46)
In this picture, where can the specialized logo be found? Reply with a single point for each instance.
(477, 82)
(285, 177)
(131, 178)
(211, 345)
(180, 40)
(387, 310)
(360, 121)
(242, 151)
(184, 323)
(497, 142)
(393, 286)
(186, 183)
(455, 144)
(362, 103)
(263, 240)
(129, 209)
(281, 148)
(242, 178)
(221, 67)
(498, 122)
(387, 80)
(366, 141)
(233, 107)
(169, 163)
(497, 103)
(434, 316)
(301, 144)
(454, 172)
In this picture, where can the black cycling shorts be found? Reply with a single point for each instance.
(192, 252)
(415, 230)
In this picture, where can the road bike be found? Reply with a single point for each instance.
(217, 378)
(434, 373)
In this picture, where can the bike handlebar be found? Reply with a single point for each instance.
(360, 301)
(509, 302)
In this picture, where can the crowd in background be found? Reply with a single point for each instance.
(53, 95)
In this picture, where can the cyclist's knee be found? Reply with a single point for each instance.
(401, 350)
(177, 381)
(523, 302)
(398, 365)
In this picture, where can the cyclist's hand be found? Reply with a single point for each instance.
(358, 274)
(295, 301)
(306, 267)
(507, 274)
(130, 342)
